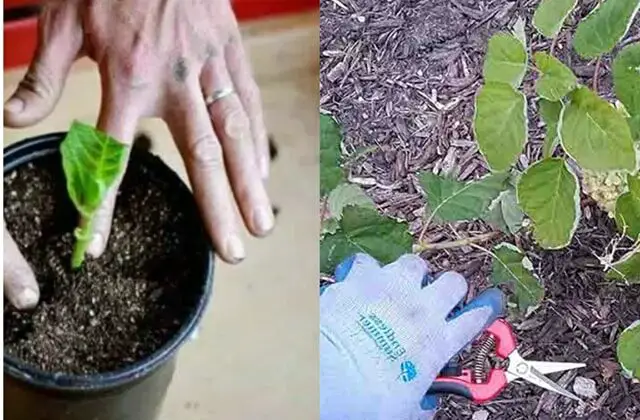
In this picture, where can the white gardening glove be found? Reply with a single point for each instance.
(384, 338)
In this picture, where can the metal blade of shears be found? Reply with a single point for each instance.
(537, 378)
(546, 368)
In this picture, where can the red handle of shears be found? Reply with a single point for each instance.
(464, 385)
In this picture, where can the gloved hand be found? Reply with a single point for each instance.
(384, 337)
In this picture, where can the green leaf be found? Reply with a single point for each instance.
(506, 60)
(595, 134)
(548, 193)
(331, 174)
(627, 268)
(550, 16)
(500, 124)
(329, 226)
(511, 266)
(550, 114)
(627, 212)
(364, 230)
(346, 195)
(556, 80)
(92, 161)
(519, 31)
(627, 350)
(450, 200)
(604, 27)
(626, 81)
(505, 213)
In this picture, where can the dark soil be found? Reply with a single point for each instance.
(120, 308)
(400, 77)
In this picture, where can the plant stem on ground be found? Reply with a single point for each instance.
(83, 236)
(420, 247)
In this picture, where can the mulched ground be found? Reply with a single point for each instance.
(400, 77)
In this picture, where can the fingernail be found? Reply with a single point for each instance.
(26, 299)
(235, 249)
(263, 220)
(14, 105)
(96, 246)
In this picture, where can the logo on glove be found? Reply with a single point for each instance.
(382, 335)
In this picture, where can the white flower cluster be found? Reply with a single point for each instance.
(606, 187)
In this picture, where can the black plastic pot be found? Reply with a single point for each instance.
(133, 393)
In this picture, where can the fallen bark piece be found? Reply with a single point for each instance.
(585, 387)
(480, 415)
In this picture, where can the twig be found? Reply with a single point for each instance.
(553, 45)
(456, 244)
(423, 232)
(595, 75)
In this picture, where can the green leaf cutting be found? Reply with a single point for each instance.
(450, 200)
(347, 195)
(505, 213)
(626, 81)
(331, 174)
(605, 26)
(627, 268)
(363, 229)
(511, 266)
(500, 124)
(627, 212)
(627, 350)
(595, 134)
(92, 162)
(506, 60)
(556, 80)
(550, 15)
(550, 114)
(548, 193)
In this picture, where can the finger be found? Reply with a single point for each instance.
(441, 296)
(232, 128)
(249, 93)
(408, 272)
(492, 298)
(118, 117)
(356, 266)
(190, 125)
(20, 285)
(59, 43)
(465, 328)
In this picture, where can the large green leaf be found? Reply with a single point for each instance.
(347, 195)
(627, 212)
(548, 193)
(363, 229)
(450, 200)
(626, 80)
(550, 114)
(627, 268)
(331, 173)
(556, 80)
(505, 213)
(506, 60)
(628, 350)
(605, 26)
(500, 124)
(550, 15)
(595, 134)
(92, 161)
(511, 266)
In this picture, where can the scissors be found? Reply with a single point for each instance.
(480, 387)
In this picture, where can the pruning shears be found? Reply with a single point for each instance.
(479, 386)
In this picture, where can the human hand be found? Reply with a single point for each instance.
(384, 337)
(162, 58)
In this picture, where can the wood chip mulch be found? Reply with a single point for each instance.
(400, 77)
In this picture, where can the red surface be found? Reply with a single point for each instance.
(20, 37)
(505, 339)
(20, 40)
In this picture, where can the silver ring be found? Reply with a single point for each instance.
(217, 95)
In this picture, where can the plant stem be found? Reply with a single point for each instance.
(456, 244)
(83, 236)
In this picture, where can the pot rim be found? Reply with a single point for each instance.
(30, 149)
